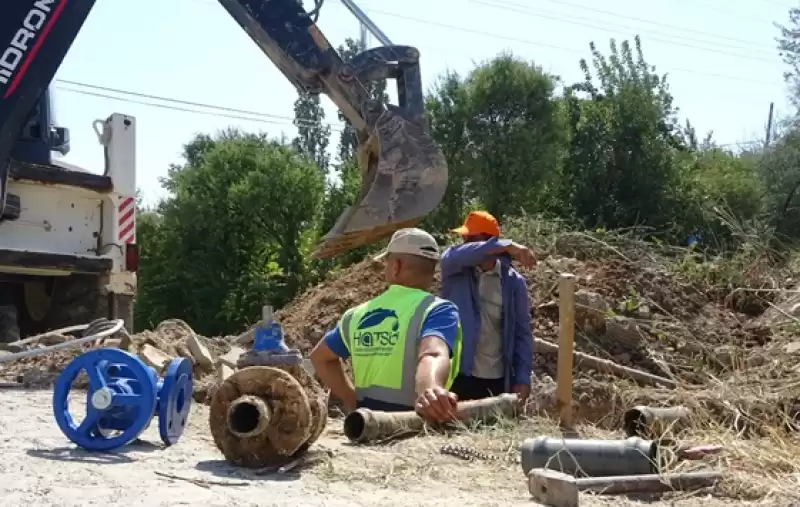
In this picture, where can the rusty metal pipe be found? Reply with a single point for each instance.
(654, 422)
(364, 425)
(248, 416)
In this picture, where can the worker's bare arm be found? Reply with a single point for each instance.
(434, 402)
(433, 363)
(328, 366)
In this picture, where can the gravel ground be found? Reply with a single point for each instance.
(42, 468)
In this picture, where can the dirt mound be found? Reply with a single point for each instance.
(638, 316)
(306, 319)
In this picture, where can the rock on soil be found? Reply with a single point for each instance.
(170, 339)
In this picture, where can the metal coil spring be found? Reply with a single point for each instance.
(467, 453)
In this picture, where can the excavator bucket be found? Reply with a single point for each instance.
(404, 177)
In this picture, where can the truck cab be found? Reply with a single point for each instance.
(68, 251)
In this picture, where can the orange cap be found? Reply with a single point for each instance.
(479, 222)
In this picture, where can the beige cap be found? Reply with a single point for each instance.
(412, 241)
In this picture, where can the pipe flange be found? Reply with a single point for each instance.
(290, 417)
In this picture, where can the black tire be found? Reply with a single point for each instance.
(13, 207)
(77, 299)
(121, 307)
(74, 300)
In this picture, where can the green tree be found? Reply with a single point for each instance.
(447, 108)
(515, 134)
(779, 168)
(313, 135)
(789, 50)
(229, 237)
(149, 309)
(621, 169)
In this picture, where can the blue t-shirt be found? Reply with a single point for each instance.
(441, 322)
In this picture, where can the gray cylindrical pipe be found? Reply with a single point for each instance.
(592, 458)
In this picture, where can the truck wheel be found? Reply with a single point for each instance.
(9, 327)
(38, 298)
(122, 308)
(77, 299)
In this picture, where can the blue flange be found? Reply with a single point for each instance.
(122, 396)
(175, 400)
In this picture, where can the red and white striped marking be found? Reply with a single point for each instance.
(127, 220)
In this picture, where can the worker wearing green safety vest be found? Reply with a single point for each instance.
(405, 344)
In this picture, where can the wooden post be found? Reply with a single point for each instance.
(566, 346)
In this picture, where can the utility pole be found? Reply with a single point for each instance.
(366, 22)
(364, 36)
(769, 124)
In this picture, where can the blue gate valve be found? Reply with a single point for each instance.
(123, 397)
(269, 347)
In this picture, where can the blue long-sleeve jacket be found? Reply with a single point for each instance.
(460, 285)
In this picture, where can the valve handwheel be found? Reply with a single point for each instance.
(106, 395)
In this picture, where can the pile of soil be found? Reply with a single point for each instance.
(652, 320)
(306, 319)
(637, 314)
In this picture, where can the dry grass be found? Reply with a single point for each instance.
(760, 459)
(741, 378)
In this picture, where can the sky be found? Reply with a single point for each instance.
(720, 56)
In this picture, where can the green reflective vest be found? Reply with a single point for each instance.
(382, 336)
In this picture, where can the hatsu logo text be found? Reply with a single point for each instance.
(16, 57)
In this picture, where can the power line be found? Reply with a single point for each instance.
(641, 20)
(225, 112)
(543, 44)
(530, 43)
(564, 20)
(274, 121)
(672, 70)
(263, 120)
(260, 117)
(729, 13)
(647, 33)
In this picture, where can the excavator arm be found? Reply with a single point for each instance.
(404, 174)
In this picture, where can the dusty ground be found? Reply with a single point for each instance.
(42, 468)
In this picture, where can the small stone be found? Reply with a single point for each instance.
(154, 358)
(200, 353)
(223, 372)
(623, 330)
(792, 348)
(590, 310)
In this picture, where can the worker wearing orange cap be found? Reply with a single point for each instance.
(492, 299)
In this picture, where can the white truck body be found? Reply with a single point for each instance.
(75, 225)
